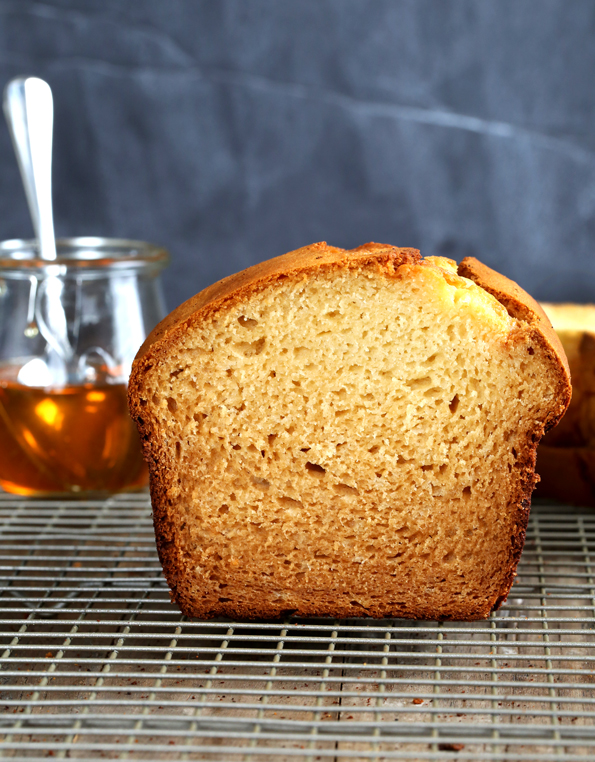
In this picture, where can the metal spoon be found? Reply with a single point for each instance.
(29, 111)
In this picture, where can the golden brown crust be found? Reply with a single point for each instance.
(522, 306)
(327, 604)
(300, 263)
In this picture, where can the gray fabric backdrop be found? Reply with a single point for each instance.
(234, 130)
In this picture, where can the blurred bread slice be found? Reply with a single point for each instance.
(566, 456)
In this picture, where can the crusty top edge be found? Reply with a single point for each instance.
(290, 264)
(522, 306)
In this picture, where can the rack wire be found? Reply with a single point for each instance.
(96, 663)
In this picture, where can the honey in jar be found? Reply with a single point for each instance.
(77, 439)
(69, 331)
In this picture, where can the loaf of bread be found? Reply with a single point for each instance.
(347, 433)
(566, 457)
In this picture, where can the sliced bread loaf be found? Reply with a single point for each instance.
(347, 433)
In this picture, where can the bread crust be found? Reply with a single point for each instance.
(522, 306)
(302, 263)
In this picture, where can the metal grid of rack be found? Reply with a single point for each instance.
(96, 663)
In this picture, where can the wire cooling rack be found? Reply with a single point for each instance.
(96, 663)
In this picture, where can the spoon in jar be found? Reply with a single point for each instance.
(29, 111)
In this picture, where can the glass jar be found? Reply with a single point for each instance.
(69, 331)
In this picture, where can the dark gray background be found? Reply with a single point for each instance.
(234, 130)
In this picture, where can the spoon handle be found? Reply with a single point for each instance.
(29, 111)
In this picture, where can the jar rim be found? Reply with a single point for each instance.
(84, 253)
